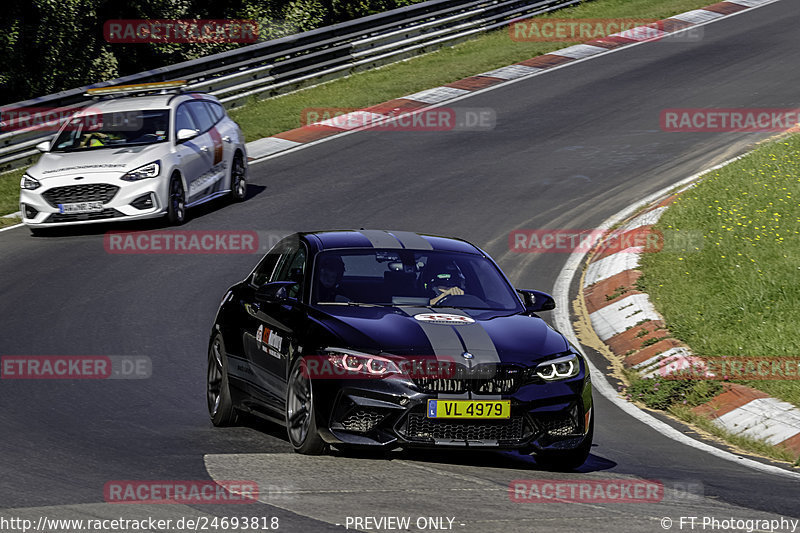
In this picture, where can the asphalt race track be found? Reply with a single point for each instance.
(571, 147)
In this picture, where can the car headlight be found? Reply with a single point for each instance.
(149, 170)
(567, 366)
(351, 362)
(29, 182)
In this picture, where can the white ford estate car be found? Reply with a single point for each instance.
(136, 152)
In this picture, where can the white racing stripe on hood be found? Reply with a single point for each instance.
(453, 341)
(477, 342)
(450, 342)
(444, 341)
(480, 345)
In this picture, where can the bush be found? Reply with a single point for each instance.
(63, 39)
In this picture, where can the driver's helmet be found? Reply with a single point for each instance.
(331, 263)
(445, 277)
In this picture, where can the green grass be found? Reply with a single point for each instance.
(6, 222)
(660, 393)
(619, 291)
(262, 118)
(737, 294)
(9, 191)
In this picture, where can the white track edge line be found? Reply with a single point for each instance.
(11, 227)
(599, 381)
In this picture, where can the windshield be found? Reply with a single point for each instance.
(412, 278)
(113, 130)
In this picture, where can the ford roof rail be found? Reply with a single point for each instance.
(162, 87)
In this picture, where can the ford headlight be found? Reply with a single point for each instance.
(29, 182)
(149, 170)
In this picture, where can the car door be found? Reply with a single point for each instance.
(272, 333)
(192, 160)
(210, 144)
(228, 132)
(248, 322)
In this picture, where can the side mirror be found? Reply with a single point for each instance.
(186, 134)
(277, 291)
(536, 301)
(43, 146)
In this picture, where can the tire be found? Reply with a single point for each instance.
(568, 460)
(301, 424)
(218, 392)
(176, 201)
(238, 178)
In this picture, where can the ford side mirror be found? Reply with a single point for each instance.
(536, 301)
(186, 134)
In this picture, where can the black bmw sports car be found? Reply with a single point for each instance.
(390, 338)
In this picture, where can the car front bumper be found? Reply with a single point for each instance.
(121, 200)
(392, 413)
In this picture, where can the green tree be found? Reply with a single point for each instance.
(47, 46)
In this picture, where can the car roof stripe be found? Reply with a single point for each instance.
(381, 239)
(411, 240)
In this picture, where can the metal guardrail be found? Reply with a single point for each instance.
(290, 63)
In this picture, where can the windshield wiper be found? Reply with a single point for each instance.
(353, 304)
(462, 307)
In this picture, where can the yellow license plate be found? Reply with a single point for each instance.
(469, 409)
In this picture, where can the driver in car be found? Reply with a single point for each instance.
(448, 281)
(330, 273)
(94, 139)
